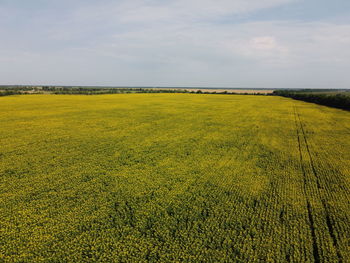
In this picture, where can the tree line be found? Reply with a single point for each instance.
(332, 99)
(70, 90)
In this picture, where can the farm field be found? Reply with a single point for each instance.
(173, 178)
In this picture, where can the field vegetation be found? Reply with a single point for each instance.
(173, 178)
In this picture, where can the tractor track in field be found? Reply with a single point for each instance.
(315, 249)
(323, 202)
(308, 152)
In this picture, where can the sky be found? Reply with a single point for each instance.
(183, 43)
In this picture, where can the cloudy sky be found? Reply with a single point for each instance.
(212, 43)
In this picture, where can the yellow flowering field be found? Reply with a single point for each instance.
(173, 178)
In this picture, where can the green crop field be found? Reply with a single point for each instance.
(173, 178)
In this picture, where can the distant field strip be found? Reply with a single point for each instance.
(173, 178)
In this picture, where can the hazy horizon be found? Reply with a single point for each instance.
(164, 87)
(151, 43)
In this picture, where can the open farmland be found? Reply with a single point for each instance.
(173, 177)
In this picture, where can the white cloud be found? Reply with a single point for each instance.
(170, 11)
(264, 43)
